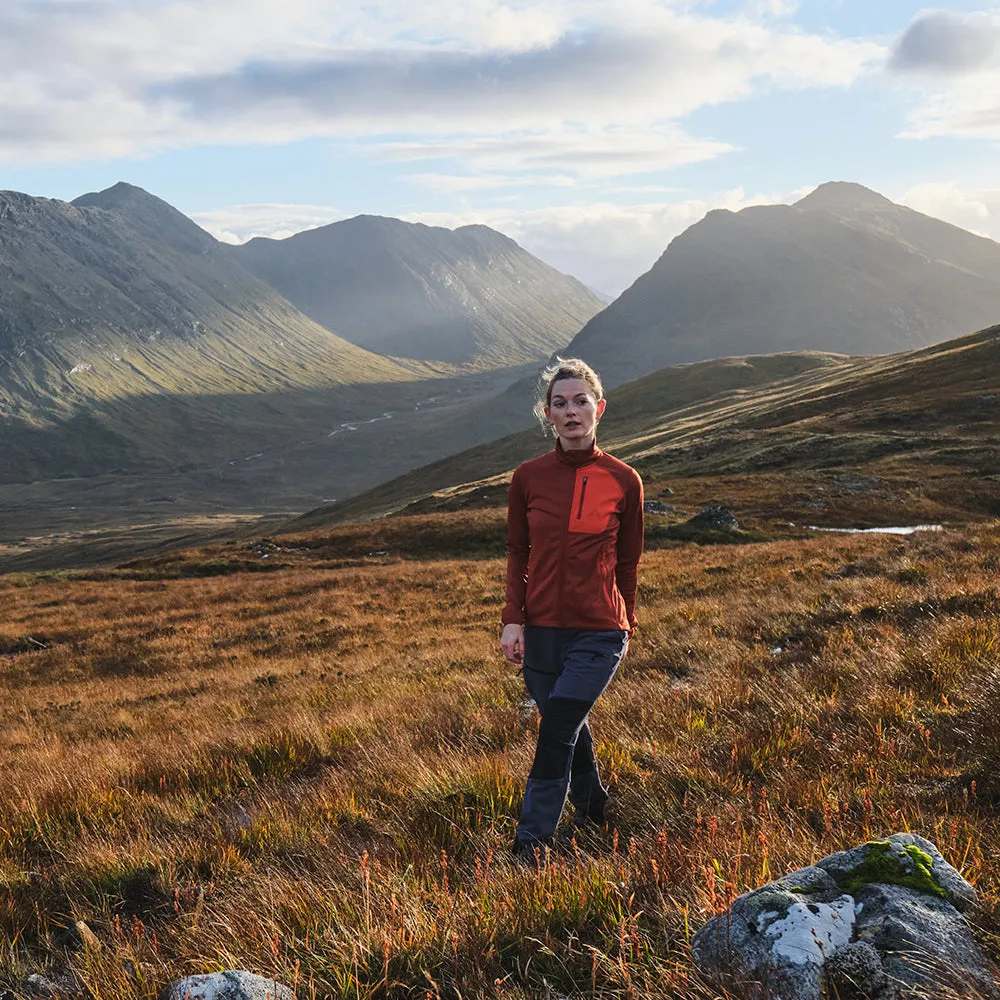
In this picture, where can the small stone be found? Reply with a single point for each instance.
(40, 986)
(79, 935)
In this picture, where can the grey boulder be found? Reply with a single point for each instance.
(233, 984)
(879, 922)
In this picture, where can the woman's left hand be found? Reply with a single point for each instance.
(512, 643)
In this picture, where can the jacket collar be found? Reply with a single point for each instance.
(577, 459)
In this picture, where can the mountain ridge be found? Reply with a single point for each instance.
(843, 270)
(97, 313)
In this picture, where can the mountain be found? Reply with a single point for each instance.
(844, 270)
(128, 335)
(469, 295)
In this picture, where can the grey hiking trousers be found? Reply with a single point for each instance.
(565, 671)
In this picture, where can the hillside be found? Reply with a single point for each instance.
(469, 295)
(843, 270)
(631, 409)
(129, 338)
(919, 427)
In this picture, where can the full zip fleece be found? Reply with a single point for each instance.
(574, 538)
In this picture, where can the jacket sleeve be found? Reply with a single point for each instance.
(517, 551)
(630, 540)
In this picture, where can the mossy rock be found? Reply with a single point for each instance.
(902, 859)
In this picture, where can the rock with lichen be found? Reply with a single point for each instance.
(879, 922)
(232, 984)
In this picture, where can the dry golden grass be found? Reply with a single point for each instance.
(310, 765)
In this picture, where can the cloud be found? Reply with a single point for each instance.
(455, 183)
(977, 210)
(106, 78)
(587, 153)
(239, 223)
(951, 63)
(947, 43)
(594, 77)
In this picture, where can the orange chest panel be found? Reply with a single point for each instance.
(597, 498)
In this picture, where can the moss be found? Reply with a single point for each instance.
(885, 866)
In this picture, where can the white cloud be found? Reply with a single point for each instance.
(456, 183)
(977, 210)
(239, 223)
(587, 153)
(106, 78)
(776, 8)
(951, 63)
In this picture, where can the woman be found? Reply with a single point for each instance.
(574, 538)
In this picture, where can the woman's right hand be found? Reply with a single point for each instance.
(512, 643)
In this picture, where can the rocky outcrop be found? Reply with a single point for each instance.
(716, 518)
(882, 921)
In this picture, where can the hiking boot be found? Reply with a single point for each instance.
(582, 836)
(533, 855)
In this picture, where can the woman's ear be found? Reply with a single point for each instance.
(602, 405)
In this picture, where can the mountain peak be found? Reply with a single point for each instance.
(145, 211)
(840, 195)
(119, 196)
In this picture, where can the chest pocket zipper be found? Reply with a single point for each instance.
(583, 493)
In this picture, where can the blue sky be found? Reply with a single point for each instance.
(591, 131)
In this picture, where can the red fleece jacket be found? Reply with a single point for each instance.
(574, 538)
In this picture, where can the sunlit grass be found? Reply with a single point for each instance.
(314, 772)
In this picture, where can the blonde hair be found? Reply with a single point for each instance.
(559, 369)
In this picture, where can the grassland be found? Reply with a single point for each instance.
(304, 756)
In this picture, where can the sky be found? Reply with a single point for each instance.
(591, 131)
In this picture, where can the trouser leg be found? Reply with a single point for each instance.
(586, 792)
(580, 665)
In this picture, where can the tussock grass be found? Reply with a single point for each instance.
(314, 772)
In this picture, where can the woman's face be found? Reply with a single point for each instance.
(573, 412)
